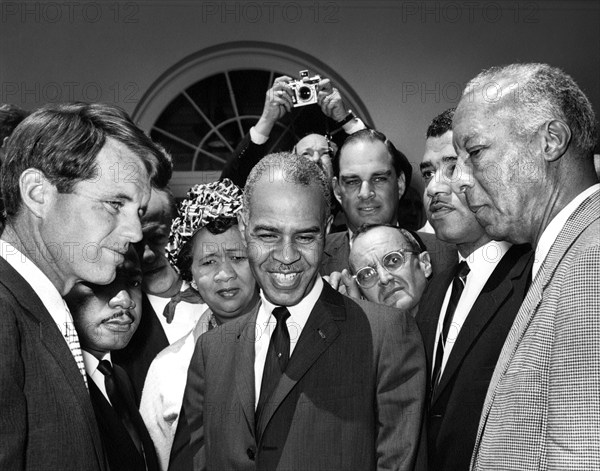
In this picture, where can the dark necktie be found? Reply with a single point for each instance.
(458, 285)
(115, 389)
(188, 295)
(278, 355)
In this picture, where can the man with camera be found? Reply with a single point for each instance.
(285, 94)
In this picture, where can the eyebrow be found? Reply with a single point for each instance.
(313, 229)
(378, 173)
(449, 158)
(264, 227)
(425, 165)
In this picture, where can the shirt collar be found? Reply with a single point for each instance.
(91, 362)
(39, 282)
(552, 230)
(486, 257)
(300, 312)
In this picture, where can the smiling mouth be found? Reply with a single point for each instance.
(228, 292)
(368, 209)
(285, 280)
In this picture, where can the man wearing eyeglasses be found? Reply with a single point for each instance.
(387, 266)
(370, 178)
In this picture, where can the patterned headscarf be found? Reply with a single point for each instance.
(204, 204)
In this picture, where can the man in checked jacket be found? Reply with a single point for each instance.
(525, 134)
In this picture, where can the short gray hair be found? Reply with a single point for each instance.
(295, 170)
(543, 93)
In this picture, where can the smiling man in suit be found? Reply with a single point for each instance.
(370, 178)
(526, 132)
(464, 315)
(313, 380)
(75, 181)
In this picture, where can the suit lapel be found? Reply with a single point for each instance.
(336, 252)
(54, 342)
(497, 290)
(583, 216)
(244, 366)
(317, 335)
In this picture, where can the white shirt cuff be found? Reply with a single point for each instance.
(257, 137)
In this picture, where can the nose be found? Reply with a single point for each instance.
(463, 175)
(225, 271)
(366, 190)
(132, 229)
(123, 300)
(439, 184)
(314, 156)
(384, 276)
(149, 255)
(287, 253)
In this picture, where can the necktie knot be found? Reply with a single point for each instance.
(462, 271)
(281, 314)
(105, 367)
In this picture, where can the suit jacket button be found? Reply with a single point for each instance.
(251, 452)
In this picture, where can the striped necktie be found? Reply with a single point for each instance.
(70, 335)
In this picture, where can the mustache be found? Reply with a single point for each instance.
(120, 313)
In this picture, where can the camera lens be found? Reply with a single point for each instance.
(305, 93)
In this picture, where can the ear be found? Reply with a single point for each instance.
(556, 136)
(242, 226)
(401, 185)
(425, 262)
(336, 189)
(37, 193)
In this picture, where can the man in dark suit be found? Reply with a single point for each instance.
(463, 331)
(106, 317)
(313, 380)
(370, 177)
(75, 180)
(170, 307)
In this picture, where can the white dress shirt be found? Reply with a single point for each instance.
(482, 263)
(266, 322)
(91, 368)
(553, 229)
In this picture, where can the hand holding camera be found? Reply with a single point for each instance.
(287, 93)
(305, 90)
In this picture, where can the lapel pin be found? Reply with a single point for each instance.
(321, 334)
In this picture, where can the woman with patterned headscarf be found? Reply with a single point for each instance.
(206, 249)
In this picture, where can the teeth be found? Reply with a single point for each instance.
(285, 278)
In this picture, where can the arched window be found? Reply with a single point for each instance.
(202, 107)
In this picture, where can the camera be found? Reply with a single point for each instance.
(304, 91)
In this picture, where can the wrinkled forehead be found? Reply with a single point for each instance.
(371, 246)
(312, 141)
(365, 155)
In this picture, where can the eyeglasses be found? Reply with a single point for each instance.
(367, 277)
